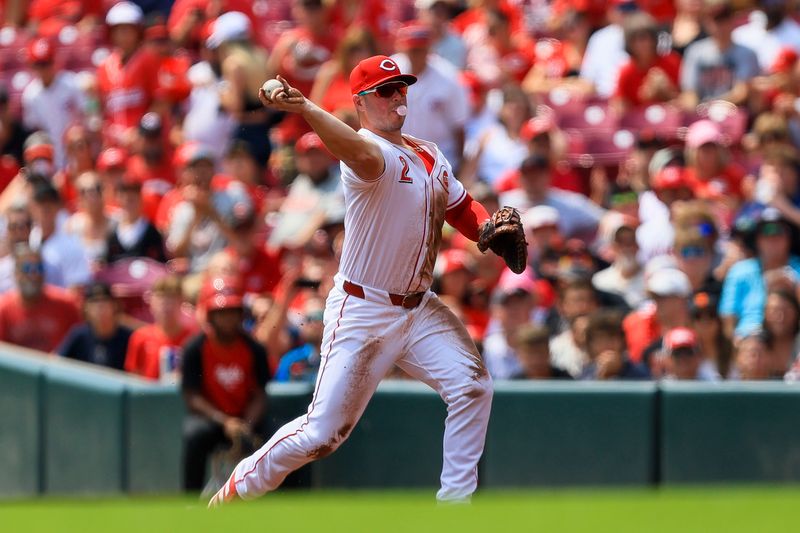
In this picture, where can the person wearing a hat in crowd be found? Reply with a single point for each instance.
(66, 261)
(38, 166)
(624, 276)
(128, 78)
(438, 107)
(605, 346)
(102, 339)
(498, 148)
(695, 256)
(669, 289)
(132, 234)
(199, 223)
(35, 314)
(715, 346)
(298, 56)
(578, 216)
(533, 352)
(512, 305)
(381, 311)
(716, 67)
(445, 43)
(316, 192)
(709, 171)
(188, 20)
(683, 357)
(744, 289)
(173, 81)
(770, 29)
(150, 161)
(53, 99)
(155, 351)
(224, 372)
(258, 265)
(781, 327)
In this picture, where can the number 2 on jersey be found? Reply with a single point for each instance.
(404, 177)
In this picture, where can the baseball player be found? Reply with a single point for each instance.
(398, 192)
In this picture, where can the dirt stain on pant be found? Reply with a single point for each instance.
(458, 333)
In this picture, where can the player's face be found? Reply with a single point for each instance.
(380, 107)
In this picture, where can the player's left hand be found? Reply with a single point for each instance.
(285, 98)
(504, 235)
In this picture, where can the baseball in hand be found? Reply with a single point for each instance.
(270, 85)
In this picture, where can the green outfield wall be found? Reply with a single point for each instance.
(71, 428)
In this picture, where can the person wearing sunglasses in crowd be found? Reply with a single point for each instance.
(399, 190)
(34, 314)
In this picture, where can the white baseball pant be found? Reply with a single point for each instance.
(363, 338)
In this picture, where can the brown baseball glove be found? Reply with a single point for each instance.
(504, 235)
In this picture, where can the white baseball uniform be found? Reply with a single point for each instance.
(393, 229)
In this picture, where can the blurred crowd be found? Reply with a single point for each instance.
(651, 145)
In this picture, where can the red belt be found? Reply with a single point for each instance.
(407, 301)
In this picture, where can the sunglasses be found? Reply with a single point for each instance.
(315, 316)
(693, 252)
(32, 268)
(86, 191)
(387, 90)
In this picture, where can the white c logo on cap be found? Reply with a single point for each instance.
(388, 64)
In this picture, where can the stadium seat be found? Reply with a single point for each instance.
(662, 120)
(130, 279)
(731, 119)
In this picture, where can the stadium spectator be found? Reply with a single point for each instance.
(781, 327)
(578, 216)
(512, 305)
(605, 51)
(53, 99)
(150, 162)
(80, 158)
(744, 290)
(656, 235)
(437, 103)
(198, 227)
(647, 77)
(499, 147)
(716, 348)
(35, 314)
(155, 351)
(694, 256)
(38, 167)
(127, 80)
(90, 223)
(605, 346)
(132, 234)
(445, 43)
(301, 363)
(687, 27)
(17, 231)
(534, 355)
(669, 289)
(224, 375)
(501, 56)
(67, 262)
(716, 67)
(752, 361)
(102, 339)
(624, 277)
(769, 30)
(684, 361)
(577, 300)
(710, 173)
(331, 88)
(12, 137)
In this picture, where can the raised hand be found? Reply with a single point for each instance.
(285, 98)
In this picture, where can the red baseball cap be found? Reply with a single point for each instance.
(679, 338)
(223, 292)
(377, 70)
(40, 50)
(535, 127)
(452, 260)
(670, 177)
(111, 158)
(413, 35)
(309, 141)
(785, 60)
(39, 151)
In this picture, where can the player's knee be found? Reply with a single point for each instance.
(480, 390)
(323, 443)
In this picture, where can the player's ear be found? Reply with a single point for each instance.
(357, 101)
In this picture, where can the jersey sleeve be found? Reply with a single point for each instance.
(392, 167)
